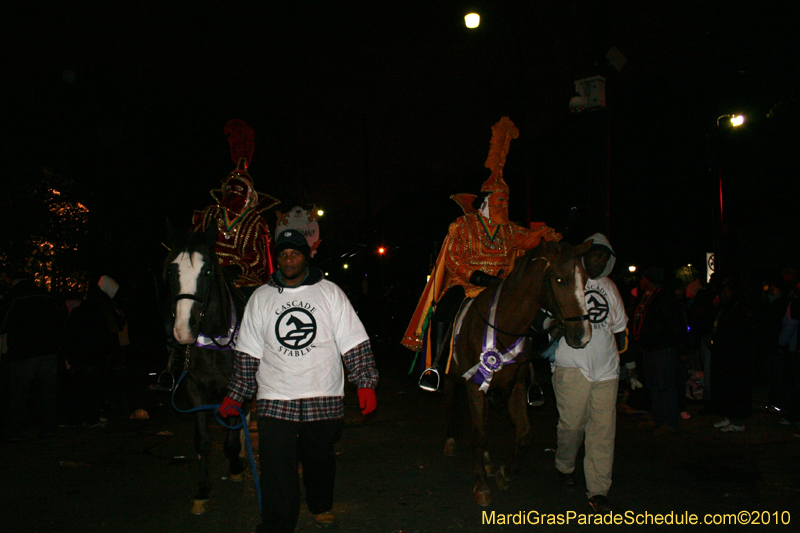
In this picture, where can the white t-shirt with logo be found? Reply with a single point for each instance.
(598, 360)
(299, 334)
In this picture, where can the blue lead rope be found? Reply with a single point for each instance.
(242, 424)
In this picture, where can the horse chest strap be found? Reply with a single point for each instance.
(186, 359)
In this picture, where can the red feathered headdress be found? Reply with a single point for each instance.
(241, 137)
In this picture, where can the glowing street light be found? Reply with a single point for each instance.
(632, 268)
(320, 212)
(735, 120)
(472, 20)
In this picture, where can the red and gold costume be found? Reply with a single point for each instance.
(476, 242)
(244, 237)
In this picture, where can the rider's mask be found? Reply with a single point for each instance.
(236, 194)
(498, 207)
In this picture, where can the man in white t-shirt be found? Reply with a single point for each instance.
(586, 380)
(296, 331)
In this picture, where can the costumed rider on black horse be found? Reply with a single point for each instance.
(243, 243)
(480, 247)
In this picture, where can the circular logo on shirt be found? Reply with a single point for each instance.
(296, 328)
(597, 305)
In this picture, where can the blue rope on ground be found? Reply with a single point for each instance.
(242, 424)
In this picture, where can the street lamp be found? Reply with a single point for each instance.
(472, 20)
(735, 120)
(715, 167)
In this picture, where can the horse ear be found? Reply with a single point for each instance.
(172, 233)
(210, 235)
(583, 248)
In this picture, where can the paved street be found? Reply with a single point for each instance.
(139, 475)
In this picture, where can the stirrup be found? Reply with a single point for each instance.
(535, 395)
(424, 385)
(160, 386)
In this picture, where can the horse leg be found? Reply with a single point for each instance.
(233, 449)
(478, 405)
(452, 402)
(202, 444)
(517, 407)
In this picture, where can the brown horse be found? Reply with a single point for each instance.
(488, 348)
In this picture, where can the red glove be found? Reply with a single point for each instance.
(228, 408)
(367, 400)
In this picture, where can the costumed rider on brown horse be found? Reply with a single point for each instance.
(481, 246)
(243, 242)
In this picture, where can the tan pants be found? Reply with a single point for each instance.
(587, 409)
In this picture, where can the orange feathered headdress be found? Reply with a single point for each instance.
(502, 133)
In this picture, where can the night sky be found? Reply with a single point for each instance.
(379, 111)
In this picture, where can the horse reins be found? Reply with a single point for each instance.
(556, 323)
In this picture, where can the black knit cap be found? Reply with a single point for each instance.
(291, 238)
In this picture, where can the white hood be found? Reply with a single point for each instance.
(600, 239)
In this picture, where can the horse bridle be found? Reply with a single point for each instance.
(203, 309)
(557, 323)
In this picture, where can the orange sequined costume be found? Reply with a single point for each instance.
(244, 237)
(476, 242)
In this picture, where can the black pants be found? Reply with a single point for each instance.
(31, 395)
(443, 317)
(281, 445)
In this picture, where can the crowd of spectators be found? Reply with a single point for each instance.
(714, 342)
(55, 356)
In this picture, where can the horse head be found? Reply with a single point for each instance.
(565, 282)
(197, 286)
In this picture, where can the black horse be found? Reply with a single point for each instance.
(204, 325)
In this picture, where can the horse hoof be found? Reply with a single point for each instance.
(484, 499)
(450, 447)
(200, 506)
(503, 481)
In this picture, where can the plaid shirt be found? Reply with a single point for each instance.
(363, 374)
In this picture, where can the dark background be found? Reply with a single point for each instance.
(378, 111)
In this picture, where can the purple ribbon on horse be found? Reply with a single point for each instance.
(492, 359)
(225, 342)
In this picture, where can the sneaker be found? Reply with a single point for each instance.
(787, 422)
(600, 504)
(324, 520)
(732, 428)
(568, 481)
(722, 423)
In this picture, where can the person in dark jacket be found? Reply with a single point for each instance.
(659, 329)
(90, 341)
(732, 339)
(32, 328)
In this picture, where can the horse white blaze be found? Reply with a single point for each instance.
(189, 268)
(580, 295)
